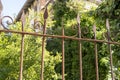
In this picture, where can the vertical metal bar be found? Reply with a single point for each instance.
(96, 53)
(42, 60)
(109, 47)
(80, 47)
(22, 48)
(63, 54)
(21, 57)
(43, 45)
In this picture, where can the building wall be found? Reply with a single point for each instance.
(36, 6)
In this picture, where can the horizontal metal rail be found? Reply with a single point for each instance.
(59, 36)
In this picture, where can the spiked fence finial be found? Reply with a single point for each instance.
(46, 14)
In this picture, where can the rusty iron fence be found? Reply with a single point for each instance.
(63, 36)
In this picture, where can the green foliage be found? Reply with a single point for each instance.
(10, 54)
(67, 19)
(10, 45)
(63, 13)
(109, 9)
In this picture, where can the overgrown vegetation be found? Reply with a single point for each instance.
(63, 13)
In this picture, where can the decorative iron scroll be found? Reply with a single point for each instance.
(5, 20)
(38, 26)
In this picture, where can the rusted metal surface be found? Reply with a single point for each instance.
(63, 54)
(22, 48)
(43, 44)
(80, 47)
(96, 53)
(8, 21)
(59, 36)
(38, 26)
(63, 37)
(109, 47)
(21, 58)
